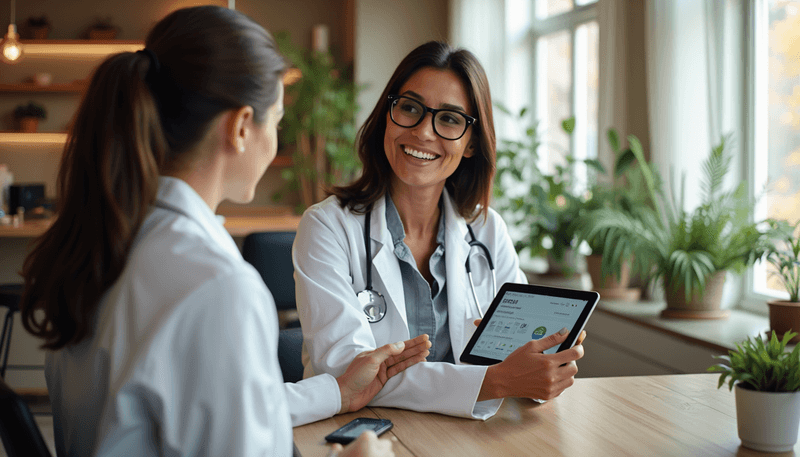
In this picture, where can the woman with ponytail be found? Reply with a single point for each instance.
(162, 340)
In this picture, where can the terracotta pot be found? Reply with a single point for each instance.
(29, 124)
(40, 33)
(699, 306)
(784, 316)
(102, 34)
(611, 287)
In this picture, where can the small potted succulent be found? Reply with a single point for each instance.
(103, 29)
(767, 382)
(784, 257)
(38, 27)
(28, 117)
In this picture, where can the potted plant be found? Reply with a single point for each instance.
(318, 124)
(691, 251)
(784, 257)
(767, 382)
(540, 208)
(38, 27)
(102, 29)
(612, 257)
(28, 117)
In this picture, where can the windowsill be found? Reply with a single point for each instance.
(716, 334)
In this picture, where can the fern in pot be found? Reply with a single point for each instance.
(690, 251)
(766, 378)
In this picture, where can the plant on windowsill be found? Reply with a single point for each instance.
(784, 256)
(318, 125)
(691, 251)
(612, 257)
(28, 117)
(540, 208)
(767, 381)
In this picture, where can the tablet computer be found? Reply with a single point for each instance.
(523, 312)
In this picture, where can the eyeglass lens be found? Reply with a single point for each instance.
(448, 124)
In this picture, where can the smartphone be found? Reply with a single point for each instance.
(356, 427)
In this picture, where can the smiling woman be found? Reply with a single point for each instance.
(421, 206)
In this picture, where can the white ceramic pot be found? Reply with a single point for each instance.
(768, 421)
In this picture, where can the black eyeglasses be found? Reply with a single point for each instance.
(447, 123)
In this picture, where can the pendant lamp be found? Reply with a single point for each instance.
(10, 47)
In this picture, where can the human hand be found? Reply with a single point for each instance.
(368, 372)
(527, 372)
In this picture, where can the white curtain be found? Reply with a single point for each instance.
(695, 67)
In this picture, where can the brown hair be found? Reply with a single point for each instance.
(140, 115)
(471, 184)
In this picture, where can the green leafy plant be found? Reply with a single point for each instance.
(539, 206)
(38, 21)
(785, 257)
(686, 247)
(30, 110)
(762, 367)
(103, 23)
(627, 193)
(318, 124)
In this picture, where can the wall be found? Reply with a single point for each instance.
(385, 33)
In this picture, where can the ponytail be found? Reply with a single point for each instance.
(107, 180)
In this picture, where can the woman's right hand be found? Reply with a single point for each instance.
(366, 445)
(527, 372)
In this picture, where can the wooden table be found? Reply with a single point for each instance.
(237, 225)
(674, 415)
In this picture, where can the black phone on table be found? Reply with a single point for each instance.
(351, 430)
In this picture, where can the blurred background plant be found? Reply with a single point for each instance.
(318, 126)
(540, 207)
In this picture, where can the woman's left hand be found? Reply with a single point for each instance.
(369, 371)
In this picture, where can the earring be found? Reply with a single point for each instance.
(241, 148)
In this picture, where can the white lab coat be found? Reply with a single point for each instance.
(329, 260)
(183, 360)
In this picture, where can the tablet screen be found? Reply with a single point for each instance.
(521, 313)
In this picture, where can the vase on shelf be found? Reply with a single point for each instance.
(29, 124)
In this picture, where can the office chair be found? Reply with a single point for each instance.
(290, 350)
(19, 432)
(271, 255)
(10, 295)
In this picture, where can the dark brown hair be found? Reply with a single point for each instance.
(471, 184)
(140, 115)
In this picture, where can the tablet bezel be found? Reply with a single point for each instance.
(591, 298)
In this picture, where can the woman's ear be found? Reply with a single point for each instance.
(239, 123)
(470, 149)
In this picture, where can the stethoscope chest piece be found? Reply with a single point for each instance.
(373, 304)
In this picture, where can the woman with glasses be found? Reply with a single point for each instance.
(386, 257)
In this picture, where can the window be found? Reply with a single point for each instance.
(560, 37)
(774, 123)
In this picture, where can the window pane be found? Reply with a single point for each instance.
(586, 87)
(553, 96)
(546, 8)
(782, 199)
(584, 2)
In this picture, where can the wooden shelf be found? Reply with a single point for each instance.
(65, 48)
(33, 138)
(75, 87)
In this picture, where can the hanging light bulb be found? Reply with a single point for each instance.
(10, 47)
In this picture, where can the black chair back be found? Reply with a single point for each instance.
(290, 354)
(18, 429)
(10, 296)
(271, 254)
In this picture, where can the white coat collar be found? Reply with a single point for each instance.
(461, 307)
(177, 196)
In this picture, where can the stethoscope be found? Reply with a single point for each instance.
(374, 304)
